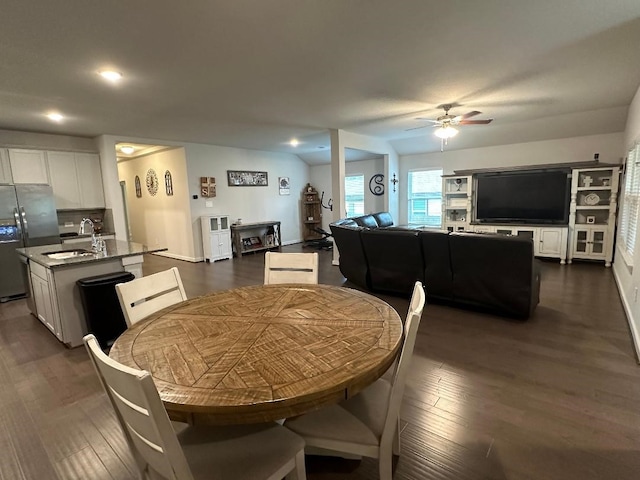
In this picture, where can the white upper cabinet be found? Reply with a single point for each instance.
(76, 179)
(90, 180)
(28, 166)
(5, 167)
(64, 179)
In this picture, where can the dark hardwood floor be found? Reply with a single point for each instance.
(556, 397)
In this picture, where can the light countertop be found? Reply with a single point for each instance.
(115, 249)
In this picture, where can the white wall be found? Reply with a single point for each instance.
(160, 220)
(628, 277)
(565, 150)
(320, 178)
(251, 204)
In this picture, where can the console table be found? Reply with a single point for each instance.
(254, 237)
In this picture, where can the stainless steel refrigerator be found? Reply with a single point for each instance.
(27, 218)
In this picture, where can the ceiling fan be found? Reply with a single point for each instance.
(446, 123)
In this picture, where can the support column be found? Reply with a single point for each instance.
(337, 183)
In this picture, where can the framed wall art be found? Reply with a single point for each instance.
(168, 183)
(283, 182)
(138, 187)
(244, 178)
(207, 187)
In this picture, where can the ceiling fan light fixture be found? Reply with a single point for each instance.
(446, 131)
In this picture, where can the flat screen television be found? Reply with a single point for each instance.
(526, 197)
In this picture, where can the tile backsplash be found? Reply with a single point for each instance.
(69, 220)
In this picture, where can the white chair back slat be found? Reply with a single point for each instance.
(143, 296)
(290, 268)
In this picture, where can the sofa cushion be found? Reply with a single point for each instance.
(367, 221)
(395, 259)
(383, 219)
(345, 222)
(495, 272)
(438, 277)
(353, 263)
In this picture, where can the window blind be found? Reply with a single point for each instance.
(425, 197)
(354, 195)
(628, 225)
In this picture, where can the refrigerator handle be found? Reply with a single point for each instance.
(18, 222)
(24, 223)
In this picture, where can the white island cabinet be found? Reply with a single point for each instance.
(57, 298)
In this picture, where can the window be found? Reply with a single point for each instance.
(630, 205)
(425, 198)
(354, 195)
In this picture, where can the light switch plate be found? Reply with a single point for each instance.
(208, 204)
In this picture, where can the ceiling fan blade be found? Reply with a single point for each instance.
(428, 120)
(470, 114)
(417, 128)
(475, 122)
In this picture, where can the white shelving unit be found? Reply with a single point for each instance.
(216, 237)
(590, 231)
(592, 217)
(456, 202)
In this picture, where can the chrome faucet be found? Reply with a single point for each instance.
(94, 239)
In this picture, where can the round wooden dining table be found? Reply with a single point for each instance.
(262, 353)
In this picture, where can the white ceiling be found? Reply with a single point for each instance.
(254, 74)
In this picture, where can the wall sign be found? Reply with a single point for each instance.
(247, 178)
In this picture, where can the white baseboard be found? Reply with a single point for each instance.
(178, 257)
(635, 335)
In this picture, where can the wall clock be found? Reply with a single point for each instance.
(152, 181)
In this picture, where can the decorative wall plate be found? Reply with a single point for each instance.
(376, 184)
(592, 199)
(152, 181)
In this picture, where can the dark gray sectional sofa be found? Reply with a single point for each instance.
(490, 272)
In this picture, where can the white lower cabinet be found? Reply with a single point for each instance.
(216, 237)
(550, 242)
(591, 243)
(44, 296)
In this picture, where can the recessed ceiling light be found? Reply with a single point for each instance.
(54, 116)
(110, 75)
(294, 143)
(127, 149)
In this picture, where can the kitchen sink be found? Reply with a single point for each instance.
(66, 254)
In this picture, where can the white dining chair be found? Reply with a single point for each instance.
(369, 423)
(262, 452)
(143, 296)
(290, 268)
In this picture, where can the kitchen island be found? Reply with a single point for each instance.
(55, 269)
